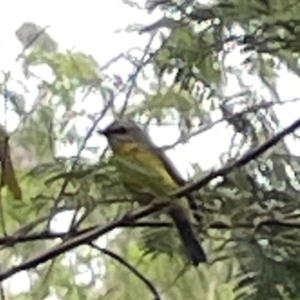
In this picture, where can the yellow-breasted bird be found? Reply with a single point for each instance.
(146, 170)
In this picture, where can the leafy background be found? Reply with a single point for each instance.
(249, 215)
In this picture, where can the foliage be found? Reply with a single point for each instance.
(248, 217)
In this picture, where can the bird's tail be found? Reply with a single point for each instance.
(191, 243)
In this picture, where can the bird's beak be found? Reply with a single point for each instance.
(102, 132)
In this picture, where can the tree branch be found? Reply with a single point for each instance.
(84, 238)
(10, 241)
(251, 155)
(131, 217)
(136, 272)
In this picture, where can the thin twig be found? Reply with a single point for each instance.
(82, 239)
(130, 267)
(31, 41)
(12, 240)
(82, 147)
(248, 110)
(136, 73)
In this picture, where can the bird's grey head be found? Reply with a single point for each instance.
(124, 131)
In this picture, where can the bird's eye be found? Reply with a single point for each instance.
(120, 130)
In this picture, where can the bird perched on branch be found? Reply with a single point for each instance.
(146, 171)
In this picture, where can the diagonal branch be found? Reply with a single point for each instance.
(245, 159)
(131, 217)
(82, 239)
(136, 272)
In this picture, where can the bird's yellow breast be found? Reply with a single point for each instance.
(140, 156)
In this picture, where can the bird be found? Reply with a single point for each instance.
(146, 170)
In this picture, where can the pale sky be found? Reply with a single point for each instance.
(90, 26)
